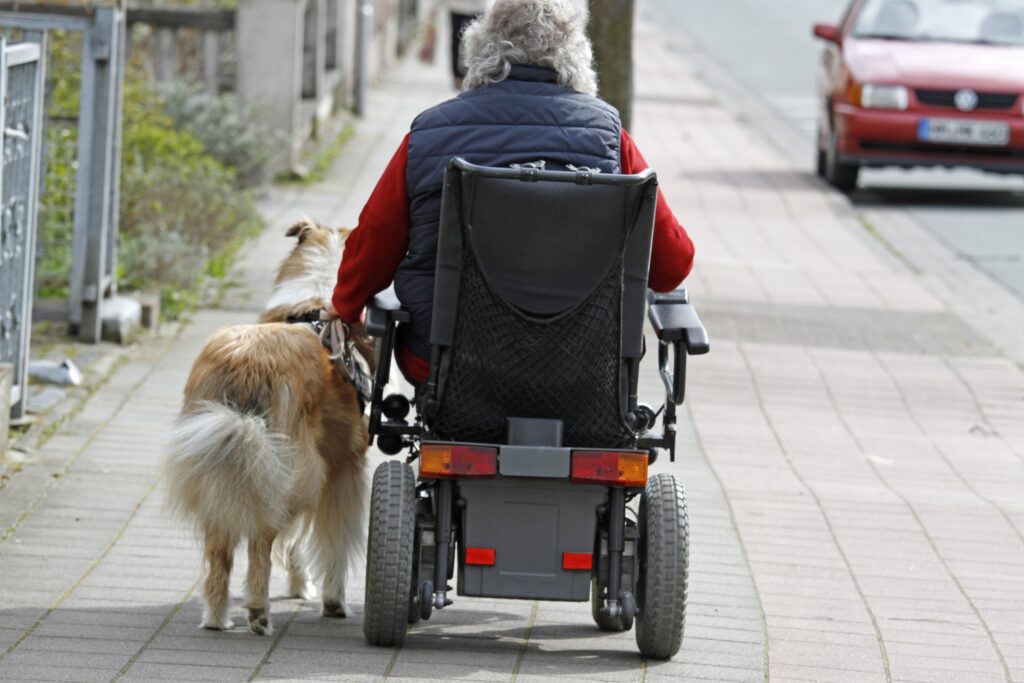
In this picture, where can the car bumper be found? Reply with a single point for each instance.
(889, 138)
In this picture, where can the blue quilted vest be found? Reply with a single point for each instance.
(527, 117)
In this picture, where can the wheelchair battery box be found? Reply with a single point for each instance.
(527, 538)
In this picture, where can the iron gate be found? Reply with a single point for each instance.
(21, 120)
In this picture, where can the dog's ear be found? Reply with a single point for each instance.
(302, 229)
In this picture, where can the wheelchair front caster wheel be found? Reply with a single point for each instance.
(663, 556)
(426, 600)
(604, 620)
(389, 554)
(628, 610)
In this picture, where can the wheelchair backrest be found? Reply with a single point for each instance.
(539, 301)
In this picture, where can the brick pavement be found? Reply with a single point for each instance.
(867, 438)
(853, 462)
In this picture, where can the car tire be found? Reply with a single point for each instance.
(839, 175)
(821, 160)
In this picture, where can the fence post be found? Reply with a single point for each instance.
(6, 375)
(344, 45)
(11, 246)
(166, 54)
(98, 178)
(211, 61)
(364, 33)
(314, 49)
(270, 44)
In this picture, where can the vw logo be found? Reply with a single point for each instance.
(966, 99)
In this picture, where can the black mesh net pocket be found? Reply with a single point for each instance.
(508, 364)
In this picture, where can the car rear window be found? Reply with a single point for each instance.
(996, 22)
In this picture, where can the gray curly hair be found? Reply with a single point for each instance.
(545, 33)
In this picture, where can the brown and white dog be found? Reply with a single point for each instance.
(270, 446)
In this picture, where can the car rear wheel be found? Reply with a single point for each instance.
(821, 160)
(839, 175)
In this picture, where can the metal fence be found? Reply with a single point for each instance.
(93, 264)
(21, 120)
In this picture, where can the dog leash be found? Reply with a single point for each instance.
(341, 349)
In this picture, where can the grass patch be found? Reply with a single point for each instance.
(323, 161)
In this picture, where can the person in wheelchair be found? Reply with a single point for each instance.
(530, 97)
(522, 229)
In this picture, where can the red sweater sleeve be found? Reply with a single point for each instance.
(379, 242)
(672, 251)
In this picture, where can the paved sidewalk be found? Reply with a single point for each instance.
(854, 462)
(870, 443)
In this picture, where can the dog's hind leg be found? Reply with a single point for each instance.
(338, 532)
(299, 585)
(220, 553)
(257, 585)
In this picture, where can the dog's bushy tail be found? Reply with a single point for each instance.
(228, 471)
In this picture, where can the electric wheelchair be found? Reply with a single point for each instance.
(529, 439)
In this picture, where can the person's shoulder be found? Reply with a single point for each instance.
(437, 112)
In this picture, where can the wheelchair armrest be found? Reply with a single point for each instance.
(677, 296)
(674, 319)
(383, 312)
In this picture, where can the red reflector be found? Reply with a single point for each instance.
(484, 556)
(457, 460)
(623, 468)
(577, 561)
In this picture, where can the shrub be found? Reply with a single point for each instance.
(182, 212)
(181, 209)
(225, 129)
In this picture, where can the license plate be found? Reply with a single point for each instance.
(956, 131)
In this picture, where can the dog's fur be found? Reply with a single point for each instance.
(270, 446)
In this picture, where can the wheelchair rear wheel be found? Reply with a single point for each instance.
(389, 554)
(663, 554)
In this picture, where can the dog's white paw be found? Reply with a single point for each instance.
(215, 624)
(259, 622)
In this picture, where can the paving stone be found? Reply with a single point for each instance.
(42, 672)
(154, 655)
(66, 659)
(179, 672)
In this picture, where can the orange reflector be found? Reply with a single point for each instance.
(577, 561)
(483, 556)
(457, 460)
(618, 468)
(854, 91)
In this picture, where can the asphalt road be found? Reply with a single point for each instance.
(768, 49)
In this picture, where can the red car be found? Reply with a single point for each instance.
(922, 83)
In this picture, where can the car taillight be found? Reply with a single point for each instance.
(618, 468)
(457, 460)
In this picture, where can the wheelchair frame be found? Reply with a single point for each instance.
(416, 525)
